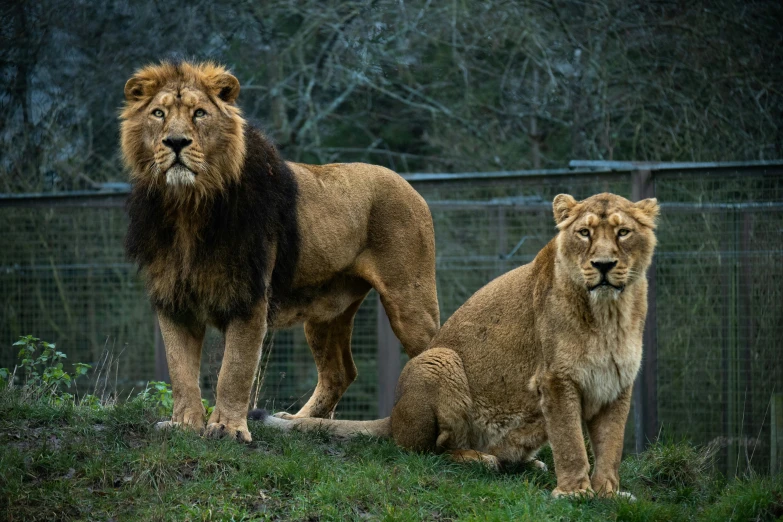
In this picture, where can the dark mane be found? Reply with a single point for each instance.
(235, 232)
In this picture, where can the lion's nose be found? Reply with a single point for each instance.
(177, 143)
(604, 266)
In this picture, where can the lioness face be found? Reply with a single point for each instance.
(181, 129)
(606, 242)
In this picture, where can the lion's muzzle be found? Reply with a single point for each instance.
(179, 175)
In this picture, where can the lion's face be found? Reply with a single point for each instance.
(605, 242)
(181, 131)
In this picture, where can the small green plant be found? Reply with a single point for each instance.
(91, 401)
(159, 394)
(45, 371)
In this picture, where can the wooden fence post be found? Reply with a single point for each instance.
(388, 362)
(645, 389)
(746, 328)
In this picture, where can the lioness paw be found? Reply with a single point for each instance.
(490, 461)
(609, 488)
(538, 465)
(613, 493)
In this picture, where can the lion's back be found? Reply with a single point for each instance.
(363, 182)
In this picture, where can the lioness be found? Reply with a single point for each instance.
(534, 353)
(227, 233)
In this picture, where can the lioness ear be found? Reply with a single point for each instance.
(226, 87)
(562, 205)
(647, 211)
(134, 89)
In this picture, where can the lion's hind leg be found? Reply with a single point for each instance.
(406, 286)
(330, 344)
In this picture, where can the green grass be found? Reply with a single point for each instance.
(65, 462)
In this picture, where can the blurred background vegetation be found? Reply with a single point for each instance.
(414, 85)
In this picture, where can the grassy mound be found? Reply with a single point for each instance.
(65, 461)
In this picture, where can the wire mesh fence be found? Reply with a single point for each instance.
(714, 335)
(720, 305)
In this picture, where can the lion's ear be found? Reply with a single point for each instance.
(226, 87)
(647, 211)
(134, 89)
(562, 205)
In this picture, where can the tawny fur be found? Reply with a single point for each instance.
(535, 353)
(318, 240)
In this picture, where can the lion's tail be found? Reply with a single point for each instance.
(344, 429)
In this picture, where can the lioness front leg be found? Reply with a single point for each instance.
(183, 341)
(244, 338)
(606, 431)
(562, 408)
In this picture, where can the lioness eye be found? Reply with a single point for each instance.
(200, 113)
(584, 232)
(623, 232)
(158, 113)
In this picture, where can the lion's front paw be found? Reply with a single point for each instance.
(188, 418)
(217, 430)
(221, 424)
(285, 415)
(574, 493)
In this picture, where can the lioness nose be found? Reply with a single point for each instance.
(604, 266)
(177, 143)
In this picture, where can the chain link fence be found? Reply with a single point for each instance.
(713, 341)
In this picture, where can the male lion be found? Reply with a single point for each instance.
(534, 353)
(227, 233)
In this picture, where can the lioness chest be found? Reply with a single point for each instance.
(609, 360)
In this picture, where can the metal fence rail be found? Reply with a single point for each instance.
(714, 333)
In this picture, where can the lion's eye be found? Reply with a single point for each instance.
(623, 232)
(200, 113)
(584, 232)
(158, 113)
